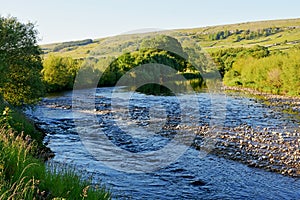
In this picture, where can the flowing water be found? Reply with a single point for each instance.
(189, 175)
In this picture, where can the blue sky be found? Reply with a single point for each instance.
(65, 20)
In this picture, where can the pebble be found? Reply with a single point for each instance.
(260, 147)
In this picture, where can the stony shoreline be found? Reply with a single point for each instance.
(262, 148)
(277, 151)
(284, 103)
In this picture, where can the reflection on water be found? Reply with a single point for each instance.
(154, 89)
(178, 87)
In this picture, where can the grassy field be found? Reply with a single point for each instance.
(287, 36)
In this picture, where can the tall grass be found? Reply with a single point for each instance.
(23, 176)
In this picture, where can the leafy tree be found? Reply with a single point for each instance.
(220, 35)
(59, 72)
(291, 73)
(20, 62)
(278, 73)
(127, 61)
(88, 75)
(164, 42)
(225, 58)
(257, 51)
(161, 49)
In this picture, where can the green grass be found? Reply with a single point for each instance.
(16, 120)
(23, 176)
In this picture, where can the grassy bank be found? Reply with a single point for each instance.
(25, 176)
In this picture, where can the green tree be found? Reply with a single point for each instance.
(278, 73)
(59, 72)
(164, 42)
(88, 75)
(291, 73)
(20, 62)
(225, 58)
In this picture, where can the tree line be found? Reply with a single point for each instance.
(258, 68)
(244, 34)
(277, 73)
(72, 44)
(59, 73)
(25, 76)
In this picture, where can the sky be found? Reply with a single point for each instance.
(67, 20)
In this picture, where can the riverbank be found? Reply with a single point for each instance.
(256, 147)
(222, 176)
(23, 172)
(273, 149)
(273, 146)
(290, 104)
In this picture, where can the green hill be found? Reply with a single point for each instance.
(274, 34)
(260, 55)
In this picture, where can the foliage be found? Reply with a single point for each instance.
(88, 74)
(6, 117)
(244, 34)
(72, 44)
(291, 73)
(277, 73)
(20, 62)
(250, 35)
(128, 61)
(59, 72)
(225, 58)
(220, 35)
(14, 119)
(161, 49)
(108, 70)
(163, 42)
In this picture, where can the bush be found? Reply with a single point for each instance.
(59, 72)
(277, 73)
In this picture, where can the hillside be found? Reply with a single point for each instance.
(274, 34)
(256, 55)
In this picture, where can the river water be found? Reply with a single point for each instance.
(189, 175)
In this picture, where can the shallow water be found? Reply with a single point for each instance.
(190, 175)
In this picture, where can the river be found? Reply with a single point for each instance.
(188, 175)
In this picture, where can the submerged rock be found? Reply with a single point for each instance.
(198, 183)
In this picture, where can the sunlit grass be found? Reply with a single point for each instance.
(23, 176)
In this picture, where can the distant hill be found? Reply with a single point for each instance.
(274, 34)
